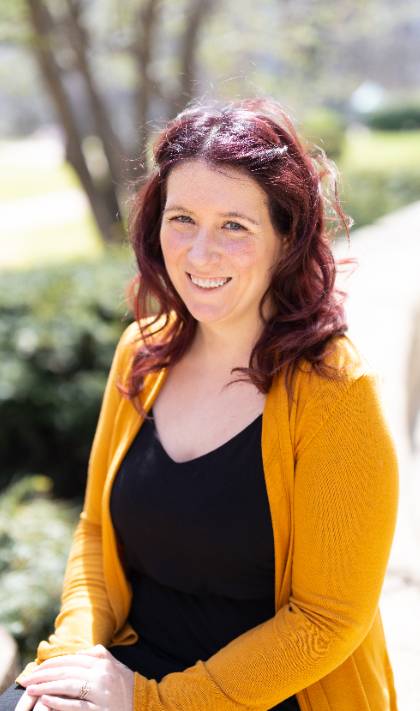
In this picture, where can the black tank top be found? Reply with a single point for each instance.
(197, 546)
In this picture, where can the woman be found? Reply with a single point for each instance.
(235, 532)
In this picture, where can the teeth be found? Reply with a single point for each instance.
(208, 283)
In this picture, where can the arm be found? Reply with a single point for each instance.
(85, 616)
(345, 505)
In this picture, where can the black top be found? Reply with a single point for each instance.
(198, 549)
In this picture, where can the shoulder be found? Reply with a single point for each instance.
(133, 338)
(317, 398)
(134, 334)
(347, 364)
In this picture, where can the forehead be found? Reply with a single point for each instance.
(197, 180)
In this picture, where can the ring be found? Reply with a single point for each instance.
(84, 690)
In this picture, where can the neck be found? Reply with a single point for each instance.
(221, 347)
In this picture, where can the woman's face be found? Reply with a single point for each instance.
(219, 245)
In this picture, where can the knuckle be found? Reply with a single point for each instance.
(108, 667)
(107, 678)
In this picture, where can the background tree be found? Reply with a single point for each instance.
(63, 46)
(114, 70)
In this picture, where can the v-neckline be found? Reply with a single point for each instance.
(210, 453)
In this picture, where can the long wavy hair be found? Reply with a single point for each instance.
(257, 136)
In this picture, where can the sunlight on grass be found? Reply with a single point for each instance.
(45, 215)
(381, 149)
(52, 243)
(35, 181)
(27, 170)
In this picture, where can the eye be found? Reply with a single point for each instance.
(236, 226)
(182, 219)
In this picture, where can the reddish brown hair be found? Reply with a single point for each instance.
(257, 136)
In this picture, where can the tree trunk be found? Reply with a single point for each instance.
(103, 196)
(106, 215)
(198, 12)
(142, 50)
(112, 147)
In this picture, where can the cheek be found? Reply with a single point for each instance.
(171, 243)
(247, 257)
(244, 253)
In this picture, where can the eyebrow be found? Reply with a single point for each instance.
(222, 214)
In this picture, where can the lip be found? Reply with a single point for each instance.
(197, 276)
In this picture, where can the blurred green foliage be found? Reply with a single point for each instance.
(404, 116)
(58, 330)
(380, 173)
(371, 193)
(35, 537)
(325, 128)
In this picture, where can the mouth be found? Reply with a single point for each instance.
(209, 284)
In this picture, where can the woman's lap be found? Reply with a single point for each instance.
(10, 697)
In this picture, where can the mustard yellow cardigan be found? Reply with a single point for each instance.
(332, 482)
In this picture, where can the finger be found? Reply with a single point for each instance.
(25, 703)
(56, 703)
(54, 673)
(40, 706)
(65, 687)
(81, 659)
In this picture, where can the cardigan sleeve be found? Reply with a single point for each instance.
(345, 507)
(86, 617)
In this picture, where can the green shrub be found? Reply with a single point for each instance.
(380, 172)
(325, 128)
(370, 193)
(58, 330)
(35, 537)
(395, 117)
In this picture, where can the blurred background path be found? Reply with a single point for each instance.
(384, 291)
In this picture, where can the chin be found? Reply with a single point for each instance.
(206, 313)
(203, 316)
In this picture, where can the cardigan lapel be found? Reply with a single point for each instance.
(278, 472)
(127, 423)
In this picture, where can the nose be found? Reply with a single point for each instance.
(203, 249)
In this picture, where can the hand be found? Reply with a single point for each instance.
(57, 683)
(26, 703)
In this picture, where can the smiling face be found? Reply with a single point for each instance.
(218, 243)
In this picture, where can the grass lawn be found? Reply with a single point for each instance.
(381, 149)
(34, 180)
(37, 230)
(28, 169)
(380, 173)
(30, 247)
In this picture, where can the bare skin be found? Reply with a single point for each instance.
(209, 414)
(57, 682)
